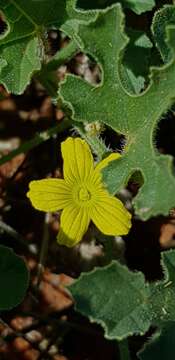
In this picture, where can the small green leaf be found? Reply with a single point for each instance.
(122, 302)
(114, 297)
(16, 74)
(161, 346)
(163, 18)
(138, 6)
(3, 63)
(133, 71)
(14, 278)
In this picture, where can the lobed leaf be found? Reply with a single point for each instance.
(23, 45)
(136, 117)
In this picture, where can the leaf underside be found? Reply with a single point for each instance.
(14, 279)
(119, 302)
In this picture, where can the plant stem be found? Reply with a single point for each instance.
(61, 56)
(44, 249)
(124, 350)
(47, 75)
(37, 140)
(96, 143)
(17, 237)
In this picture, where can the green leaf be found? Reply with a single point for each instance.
(114, 297)
(161, 346)
(138, 6)
(14, 278)
(24, 44)
(122, 302)
(134, 116)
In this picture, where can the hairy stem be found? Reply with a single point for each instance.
(98, 146)
(124, 350)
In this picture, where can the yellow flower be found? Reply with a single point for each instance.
(81, 195)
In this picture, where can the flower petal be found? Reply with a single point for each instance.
(74, 224)
(78, 160)
(49, 194)
(102, 164)
(97, 176)
(110, 216)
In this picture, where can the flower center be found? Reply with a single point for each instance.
(84, 194)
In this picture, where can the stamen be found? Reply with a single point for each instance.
(84, 194)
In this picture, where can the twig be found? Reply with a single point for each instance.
(37, 140)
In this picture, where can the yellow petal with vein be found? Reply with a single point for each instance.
(74, 224)
(110, 216)
(78, 160)
(49, 194)
(102, 164)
